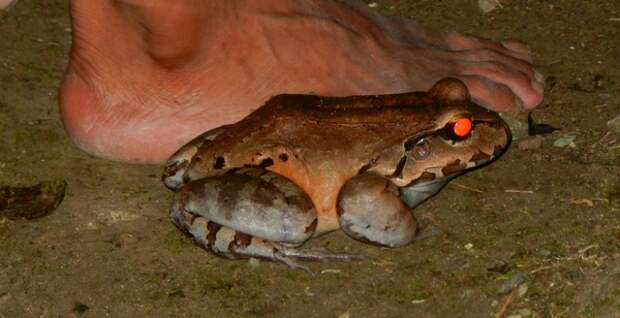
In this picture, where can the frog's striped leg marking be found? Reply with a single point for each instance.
(370, 210)
(249, 213)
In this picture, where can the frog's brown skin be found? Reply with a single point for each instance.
(358, 163)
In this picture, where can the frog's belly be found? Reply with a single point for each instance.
(322, 184)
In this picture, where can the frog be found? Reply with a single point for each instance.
(301, 166)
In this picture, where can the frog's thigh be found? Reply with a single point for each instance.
(369, 209)
(253, 202)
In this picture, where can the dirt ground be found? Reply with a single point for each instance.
(535, 234)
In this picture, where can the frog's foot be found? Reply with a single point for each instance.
(370, 210)
(250, 213)
(146, 77)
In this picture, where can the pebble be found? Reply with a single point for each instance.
(521, 313)
(614, 124)
(488, 5)
(566, 140)
(254, 263)
(126, 239)
(508, 285)
(4, 298)
(529, 143)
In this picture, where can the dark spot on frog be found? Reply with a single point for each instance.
(219, 163)
(367, 166)
(364, 168)
(212, 229)
(189, 217)
(425, 176)
(312, 226)
(266, 163)
(283, 157)
(264, 193)
(242, 239)
(480, 156)
(398, 172)
(263, 164)
(410, 143)
(452, 168)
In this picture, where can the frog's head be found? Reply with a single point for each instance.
(464, 136)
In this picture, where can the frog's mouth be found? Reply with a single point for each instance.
(414, 195)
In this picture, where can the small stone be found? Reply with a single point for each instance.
(523, 312)
(4, 297)
(508, 285)
(345, 314)
(126, 239)
(522, 290)
(529, 143)
(614, 124)
(254, 263)
(566, 140)
(308, 292)
(372, 5)
(488, 5)
(469, 246)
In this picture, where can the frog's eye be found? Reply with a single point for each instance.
(459, 129)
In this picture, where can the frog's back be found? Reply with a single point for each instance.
(318, 130)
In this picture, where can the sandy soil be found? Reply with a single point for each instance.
(549, 249)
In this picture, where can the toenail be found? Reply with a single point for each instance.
(540, 78)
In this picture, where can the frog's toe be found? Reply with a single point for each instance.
(322, 254)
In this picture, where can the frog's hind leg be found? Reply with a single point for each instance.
(370, 210)
(250, 213)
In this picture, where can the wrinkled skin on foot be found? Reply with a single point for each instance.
(146, 77)
(304, 165)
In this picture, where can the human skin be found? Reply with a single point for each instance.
(147, 76)
(6, 3)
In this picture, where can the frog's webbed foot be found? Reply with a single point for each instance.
(370, 210)
(319, 254)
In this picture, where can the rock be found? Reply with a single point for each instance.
(529, 143)
(511, 283)
(126, 239)
(614, 124)
(488, 5)
(566, 140)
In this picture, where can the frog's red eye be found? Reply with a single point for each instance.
(461, 127)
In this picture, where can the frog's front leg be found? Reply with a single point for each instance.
(370, 210)
(249, 213)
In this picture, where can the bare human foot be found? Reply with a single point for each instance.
(147, 76)
(6, 3)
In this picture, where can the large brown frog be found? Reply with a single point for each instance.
(304, 165)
